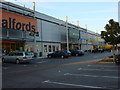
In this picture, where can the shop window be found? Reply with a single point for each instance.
(57, 48)
(45, 48)
(50, 48)
(53, 48)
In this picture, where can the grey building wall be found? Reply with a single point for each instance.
(51, 32)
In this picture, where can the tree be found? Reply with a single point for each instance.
(112, 33)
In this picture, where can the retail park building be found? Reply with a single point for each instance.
(25, 30)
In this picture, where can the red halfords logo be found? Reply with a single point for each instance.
(12, 23)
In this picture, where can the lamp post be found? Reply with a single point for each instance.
(33, 4)
(67, 33)
(97, 38)
(86, 40)
(79, 34)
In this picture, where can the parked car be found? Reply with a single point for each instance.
(18, 57)
(100, 50)
(60, 54)
(77, 52)
(82, 52)
(117, 59)
(68, 52)
(1, 55)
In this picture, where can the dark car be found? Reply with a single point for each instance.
(60, 54)
(117, 59)
(100, 50)
(68, 52)
(82, 52)
(77, 52)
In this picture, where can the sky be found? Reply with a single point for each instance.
(94, 15)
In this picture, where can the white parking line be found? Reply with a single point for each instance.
(102, 69)
(91, 75)
(68, 84)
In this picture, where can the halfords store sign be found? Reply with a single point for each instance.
(17, 22)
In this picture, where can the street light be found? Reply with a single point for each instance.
(79, 33)
(97, 38)
(67, 33)
(86, 40)
(33, 4)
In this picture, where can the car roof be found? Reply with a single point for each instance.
(21, 52)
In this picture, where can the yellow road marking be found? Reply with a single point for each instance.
(41, 62)
(106, 62)
(82, 62)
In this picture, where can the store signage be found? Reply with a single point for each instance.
(17, 22)
(12, 24)
(83, 36)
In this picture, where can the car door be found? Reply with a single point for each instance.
(56, 54)
(9, 57)
(6, 58)
(15, 56)
(60, 53)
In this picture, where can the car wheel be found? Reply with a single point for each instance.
(76, 54)
(3, 60)
(62, 57)
(17, 61)
(116, 62)
(49, 56)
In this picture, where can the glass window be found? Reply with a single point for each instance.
(19, 54)
(61, 52)
(53, 48)
(29, 53)
(45, 48)
(12, 54)
(50, 48)
(57, 48)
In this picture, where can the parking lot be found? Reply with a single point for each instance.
(88, 75)
(74, 72)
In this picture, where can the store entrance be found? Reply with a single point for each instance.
(10, 46)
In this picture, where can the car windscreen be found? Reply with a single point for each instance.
(19, 54)
(16, 54)
(12, 54)
(29, 53)
(56, 52)
(68, 52)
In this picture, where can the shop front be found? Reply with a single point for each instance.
(9, 46)
(15, 29)
(50, 47)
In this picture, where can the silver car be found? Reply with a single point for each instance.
(18, 57)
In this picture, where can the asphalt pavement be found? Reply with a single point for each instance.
(75, 72)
